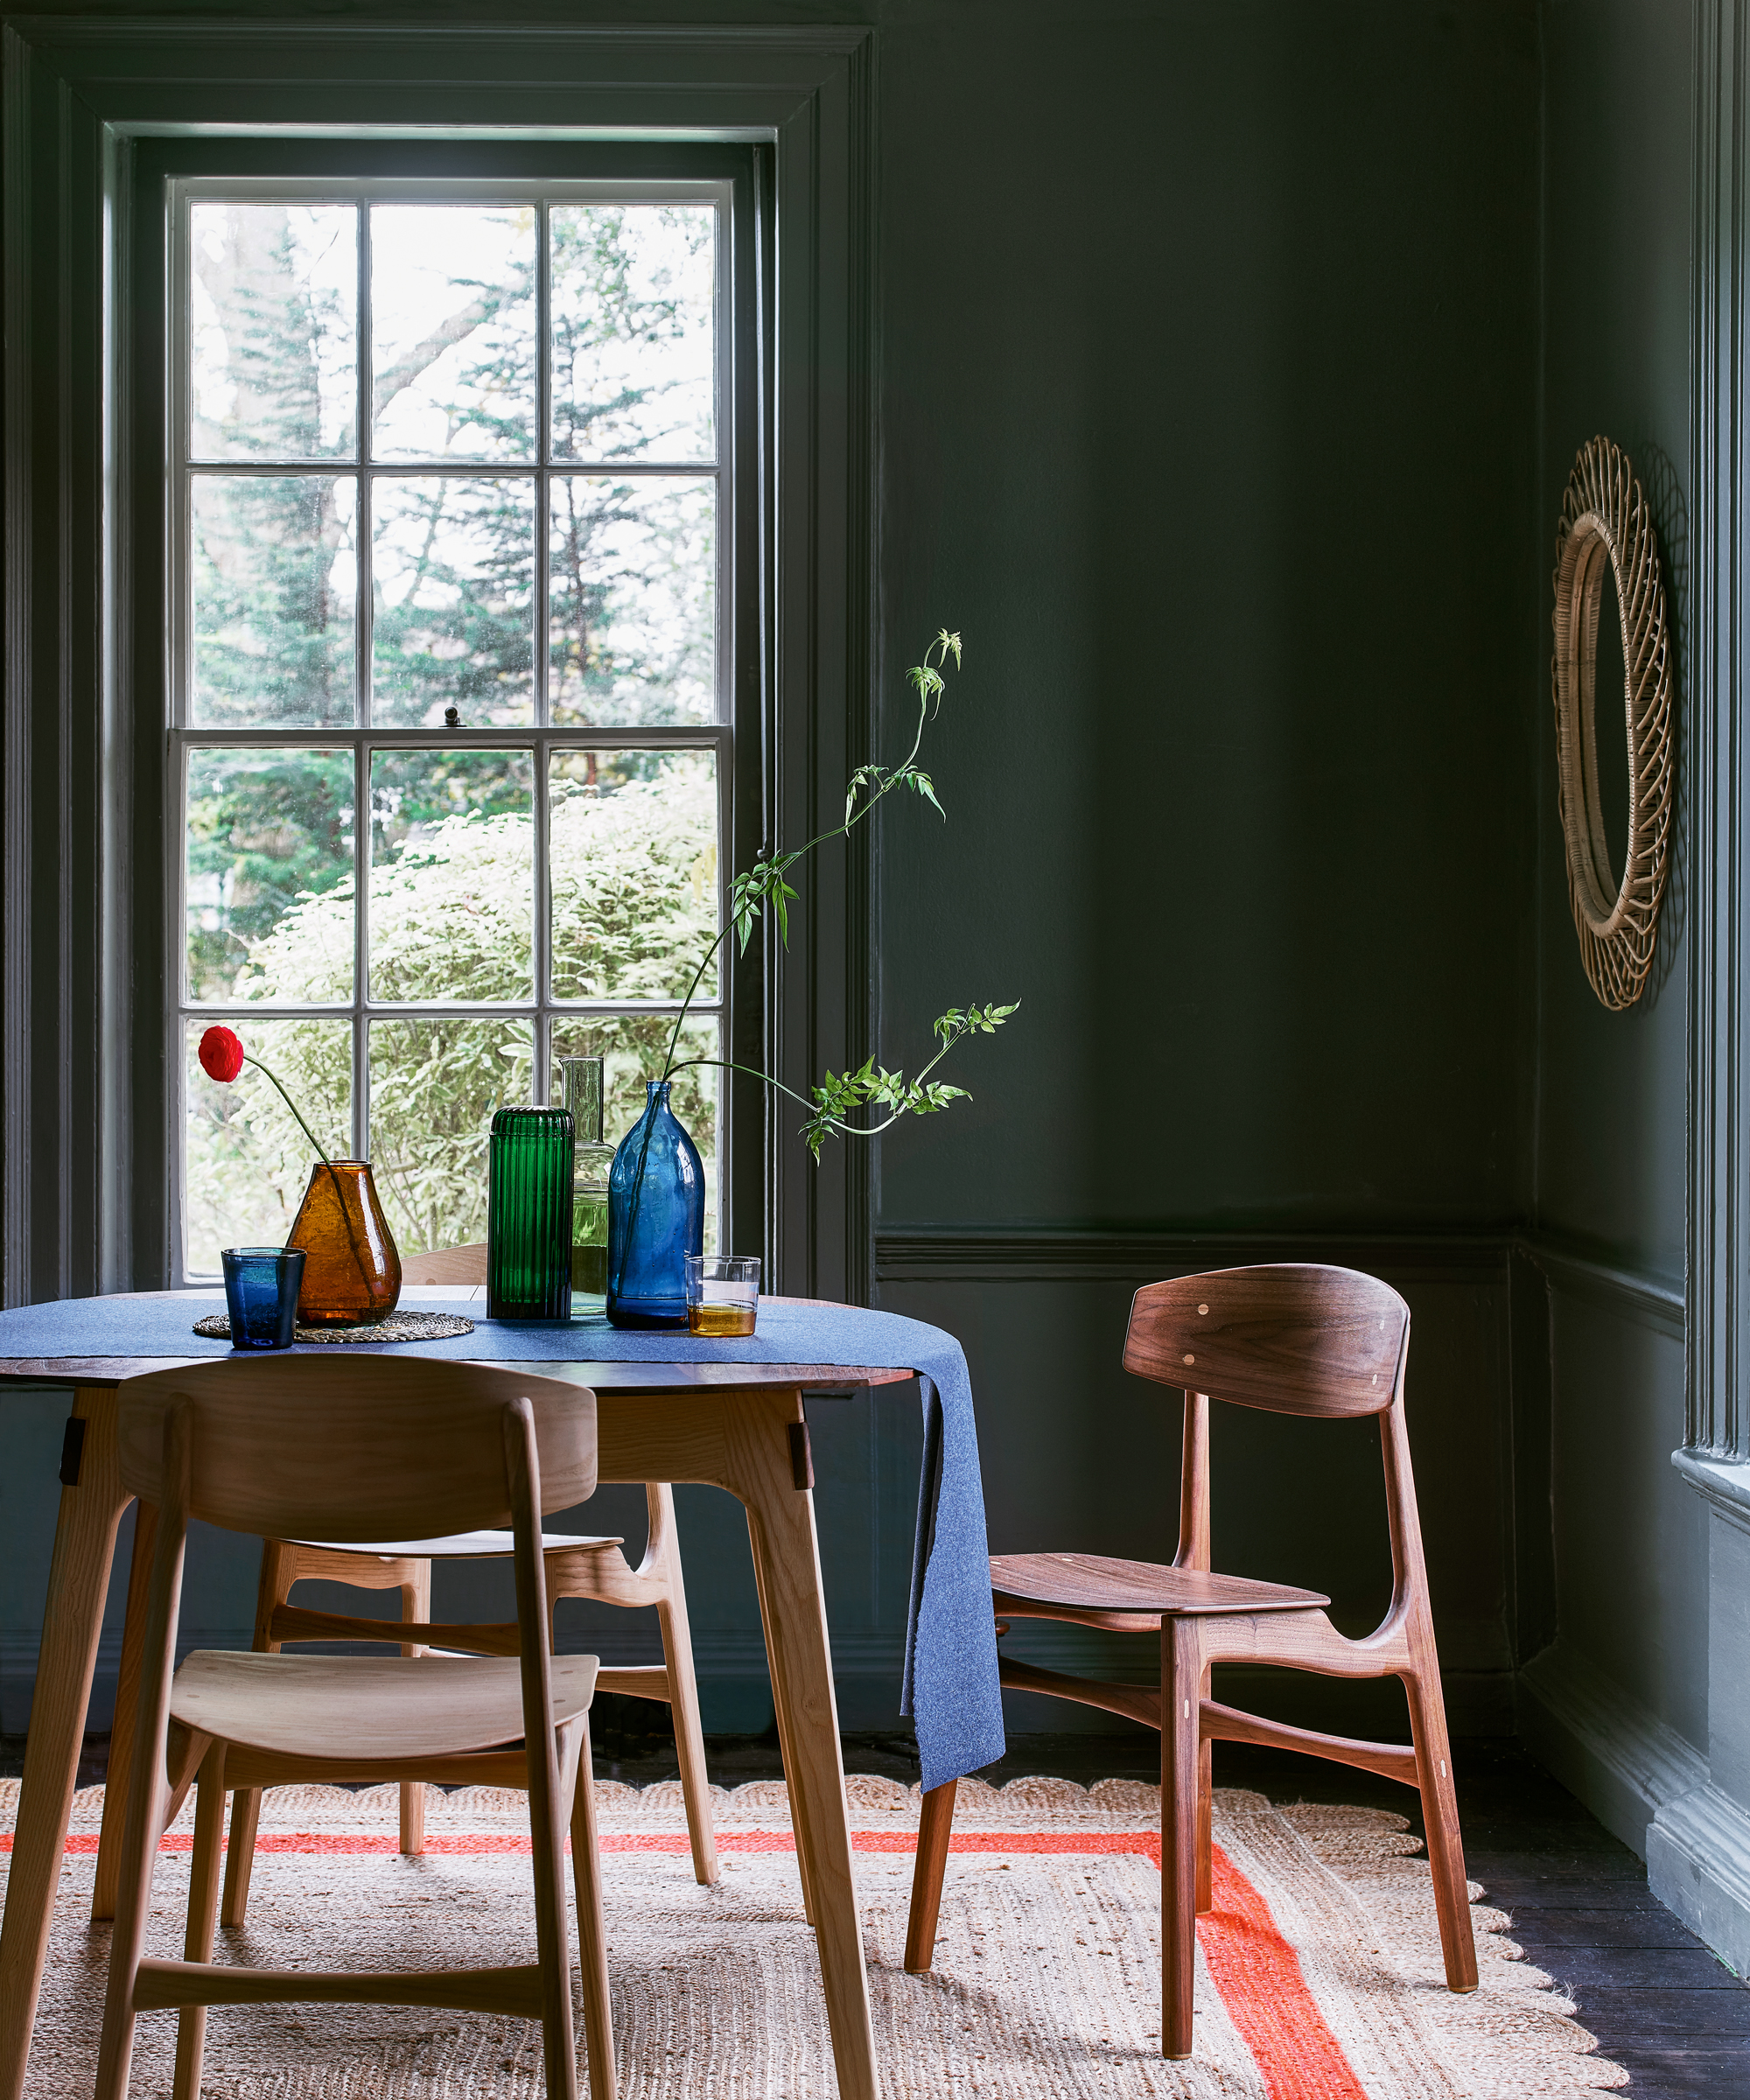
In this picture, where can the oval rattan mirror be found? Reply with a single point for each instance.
(1605, 526)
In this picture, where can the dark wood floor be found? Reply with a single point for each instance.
(1658, 2001)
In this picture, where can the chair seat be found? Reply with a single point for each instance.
(464, 1545)
(1091, 1582)
(328, 1705)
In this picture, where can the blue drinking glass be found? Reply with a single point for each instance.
(262, 1285)
(655, 1217)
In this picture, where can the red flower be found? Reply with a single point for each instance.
(222, 1054)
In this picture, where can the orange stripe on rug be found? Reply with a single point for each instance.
(1258, 1975)
(1256, 1970)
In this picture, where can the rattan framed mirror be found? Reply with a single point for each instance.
(1606, 529)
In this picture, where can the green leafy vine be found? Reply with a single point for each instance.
(764, 887)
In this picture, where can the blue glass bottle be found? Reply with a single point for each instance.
(656, 1218)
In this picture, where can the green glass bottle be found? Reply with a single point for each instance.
(528, 1214)
(584, 1092)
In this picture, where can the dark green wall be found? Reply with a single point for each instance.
(1630, 1538)
(1209, 413)
(1208, 349)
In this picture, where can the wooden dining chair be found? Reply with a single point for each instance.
(1294, 1340)
(594, 1569)
(356, 1450)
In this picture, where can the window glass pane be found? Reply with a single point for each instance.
(269, 885)
(452, 876)
(633, 307)
(275, 561)
(634, 1047)
(453, 601)
(247, 1161)
(434, 1086)
(632, 859)
(453, 345)
(632, 600)
(273, 293)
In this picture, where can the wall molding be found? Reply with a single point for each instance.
(1031, 1254)
(1698, 1865)
(1623, 1761)
(1027, 1255)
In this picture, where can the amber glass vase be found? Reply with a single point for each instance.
(351, 1272)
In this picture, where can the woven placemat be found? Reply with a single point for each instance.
(398, 1326)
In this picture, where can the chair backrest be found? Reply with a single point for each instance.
(446, 1265)
(1295, 1338)
(347, 1445)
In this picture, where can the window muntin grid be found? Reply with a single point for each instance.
(560, 731)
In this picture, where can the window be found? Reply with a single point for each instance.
(450, 735)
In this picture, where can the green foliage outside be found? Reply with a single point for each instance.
(635, 897)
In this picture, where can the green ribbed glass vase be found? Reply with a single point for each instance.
(528, 1214)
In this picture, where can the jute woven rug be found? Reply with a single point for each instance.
(1319, 1972)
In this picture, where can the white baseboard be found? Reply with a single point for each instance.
(1619, 1759)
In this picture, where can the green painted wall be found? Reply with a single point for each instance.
(1630, 1538)
(1209, 412)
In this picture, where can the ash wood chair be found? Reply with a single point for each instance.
(357, 1450)
(594, 1569)
(1296, 1341)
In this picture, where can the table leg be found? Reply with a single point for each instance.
(72, 1618)
(787, 1756)
(761, 1468)
(106, 1880)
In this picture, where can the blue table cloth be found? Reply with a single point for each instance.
(950, 1691)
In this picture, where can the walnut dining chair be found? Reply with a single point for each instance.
(1293, 1340)
(358, 1450)
(594, 1569)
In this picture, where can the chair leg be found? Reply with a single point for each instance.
(279, 1563)
(591, 1928)
(1206, 1815)
(935, 1826)
(203, 1910)
(1440, 1816)
(416, 1605)
(147, 1795)
(683, 1693)
(1181, 1686)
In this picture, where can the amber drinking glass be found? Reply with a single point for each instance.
(722, 1293)
(351, 1272)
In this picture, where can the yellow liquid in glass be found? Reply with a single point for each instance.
(718, 1319)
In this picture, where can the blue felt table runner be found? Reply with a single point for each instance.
(950, 1690)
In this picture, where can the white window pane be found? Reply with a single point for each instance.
(632, 1048)
(275, 589)
(247, 1163)
(453, 601)
(268, 876)
(632, 600)
(453, 347)
(633, 862)
(273, 296)
(634, 316)
(452, 874)
(435, 1085)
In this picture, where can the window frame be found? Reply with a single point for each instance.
(541, 738)
(99, 111)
